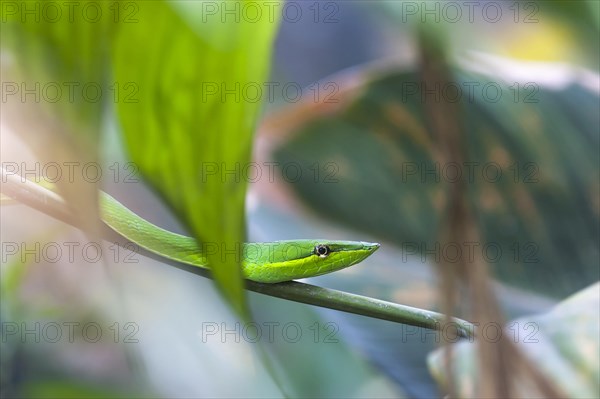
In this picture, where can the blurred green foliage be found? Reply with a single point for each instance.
(532, 175)
(62, 64)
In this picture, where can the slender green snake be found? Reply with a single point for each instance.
(266, 262)
(278, 261)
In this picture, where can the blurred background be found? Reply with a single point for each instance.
(347, 131)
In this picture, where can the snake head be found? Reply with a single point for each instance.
(289, 260)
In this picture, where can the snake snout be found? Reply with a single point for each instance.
(371, 246)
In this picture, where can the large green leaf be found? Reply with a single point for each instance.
(379, 172)
(562, 344)
(182, 137)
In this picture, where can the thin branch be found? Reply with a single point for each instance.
(50, 203)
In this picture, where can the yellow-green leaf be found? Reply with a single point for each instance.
(185, 132)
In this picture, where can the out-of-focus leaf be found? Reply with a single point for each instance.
(12, 277)
(594, 9)
(377, 171)
(582, 17)
(54, 88)
(562, 344)
(60, 59)
(557, 30)
(319, 354)
(187, 132)
(70, 389)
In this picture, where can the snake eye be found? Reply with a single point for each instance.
(322, 250)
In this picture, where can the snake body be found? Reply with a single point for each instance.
(266, 262)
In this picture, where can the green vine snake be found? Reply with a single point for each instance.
(266, 262)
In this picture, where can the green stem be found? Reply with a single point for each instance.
(50, 203)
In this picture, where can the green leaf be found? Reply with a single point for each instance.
(54, 89)
(562, 344)
(178, 131)
(378, 151)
